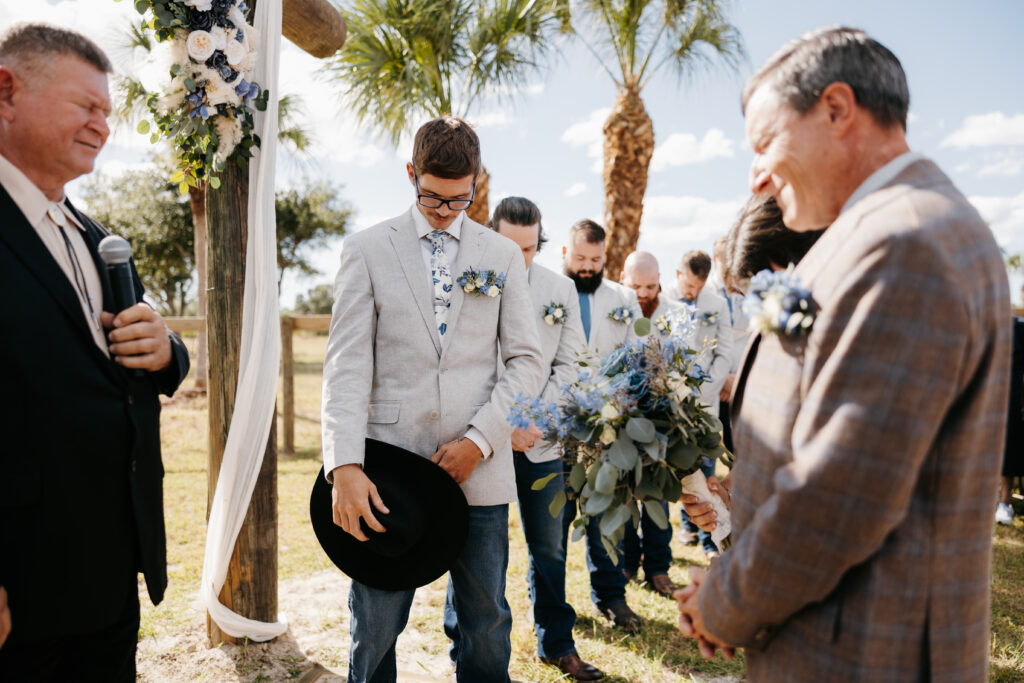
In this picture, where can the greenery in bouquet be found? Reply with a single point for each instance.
(631, 427)
(207, 108)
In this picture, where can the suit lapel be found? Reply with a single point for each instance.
(470, 251)
(407, 248)
(741, 379)
(94, 233)
(26, 245)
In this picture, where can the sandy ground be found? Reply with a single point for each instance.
(317, 614)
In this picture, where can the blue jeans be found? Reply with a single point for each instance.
(476, 589)
(607, 582)
(652, 544)
(553, 617)
(707, 466)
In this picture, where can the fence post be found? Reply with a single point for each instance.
(288, 384)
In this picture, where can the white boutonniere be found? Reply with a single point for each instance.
(777, 304)
(622, 315)
(709, 318)
(663, 325)
(482, 282)
(555, 314)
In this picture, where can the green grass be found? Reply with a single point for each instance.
(658, 653)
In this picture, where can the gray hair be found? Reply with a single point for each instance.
(803, 68)
(29, 48)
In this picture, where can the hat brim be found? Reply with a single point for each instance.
(445, 512)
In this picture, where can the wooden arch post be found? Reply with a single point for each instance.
(251, 585)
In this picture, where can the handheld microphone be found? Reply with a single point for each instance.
(116, 252)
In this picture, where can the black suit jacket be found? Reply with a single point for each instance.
(81, 480)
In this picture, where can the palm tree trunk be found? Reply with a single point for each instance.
(479, 210)
(628, 147)
(197, 201)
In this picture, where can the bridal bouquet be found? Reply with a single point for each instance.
(633, 429)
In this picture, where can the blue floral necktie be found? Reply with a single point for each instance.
(441, 276)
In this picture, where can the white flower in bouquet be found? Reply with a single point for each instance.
(200, 5)
(219, 92)
(237, 18)
(549, 319)
(220, 37)
(173, 98)
(493, 292)
(608, 435)
(609, 412)
(200, 45)
(248, 63)
(235, 52)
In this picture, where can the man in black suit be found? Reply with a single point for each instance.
(81, 509)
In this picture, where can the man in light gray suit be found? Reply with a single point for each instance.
(411, 362)
(557, 313)
(714, 340)
(607, 311)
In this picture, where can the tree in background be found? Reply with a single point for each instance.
(411, 59)
(141, 206)
(317, 301)
(643, 37)
(307, 218)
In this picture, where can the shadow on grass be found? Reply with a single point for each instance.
(278, 660)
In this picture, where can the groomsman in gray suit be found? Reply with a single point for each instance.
(556, 310)
(651, 548)
(715, 340)
(411, 362)
(607, 311)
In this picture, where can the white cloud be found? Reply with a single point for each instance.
(1008, 166)
(987, 130)
(587, 133)
(491, 119)
(1005, 215)
(575, 189)
(674, 220)
(911, 117)
(684, 148)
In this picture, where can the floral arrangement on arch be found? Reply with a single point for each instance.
(207, 108)
(632, 429)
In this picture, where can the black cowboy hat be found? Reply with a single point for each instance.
(426, 528)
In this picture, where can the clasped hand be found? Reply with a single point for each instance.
(138, 338)
(691, 622)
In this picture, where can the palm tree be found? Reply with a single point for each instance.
(642, 37)
(411, 59)
(130, 107)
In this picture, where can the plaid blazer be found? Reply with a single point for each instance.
(867, 453)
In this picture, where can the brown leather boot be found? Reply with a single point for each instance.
(575, 668)
(662, 585)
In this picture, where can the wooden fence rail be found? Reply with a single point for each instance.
(289, 324)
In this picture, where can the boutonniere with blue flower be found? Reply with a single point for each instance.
(663, 325)
(622, 315)
(482, 282)
(776, 303)
(555, 314)
(709, 318)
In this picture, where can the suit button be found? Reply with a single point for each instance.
(434, 414)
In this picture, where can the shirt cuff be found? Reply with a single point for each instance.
(477, 437)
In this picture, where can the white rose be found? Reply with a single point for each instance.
(608, 435)
(493, 291)
(235, 53)
(220, 37)
(549, 319)
(470, 287)
(609, 412)
(200, 5)
(248, 63)
(200, 45)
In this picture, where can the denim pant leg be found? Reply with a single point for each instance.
(631, 550)
(656, 543)
(477, 588)
(377, 618)
(707, 466)
(607, 582)
(553, 617)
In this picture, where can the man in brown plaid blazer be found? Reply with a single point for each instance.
(868, 449)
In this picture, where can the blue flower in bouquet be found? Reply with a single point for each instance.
(482, 282)
(622, 315)
(776, 303)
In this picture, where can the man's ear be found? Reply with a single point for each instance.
(412, 173)
(8, 86)
(840, 103)
(564, 250)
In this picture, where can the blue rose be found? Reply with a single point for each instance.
(199, 21)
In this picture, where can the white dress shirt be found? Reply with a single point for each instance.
(881, 177)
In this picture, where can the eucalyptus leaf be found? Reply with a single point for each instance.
(612, 551)
(713, 423)
(597, 503)
(623, 454)
(683, 455)
(215, 182)
(654, 451)
(579, 531)
(577, 476)
(543, 481)
(592, 474)
(642, 327)
(614, 519)
(671, 489)
(656, 512)
(640, 429)
(143, 127)
(557, 504)
(607, 478)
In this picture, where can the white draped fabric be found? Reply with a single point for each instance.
(260, 352)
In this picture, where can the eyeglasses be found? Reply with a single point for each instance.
(432, 202)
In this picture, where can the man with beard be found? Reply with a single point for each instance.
(652, 546)
(607, 311)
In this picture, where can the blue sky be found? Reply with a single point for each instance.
(963, 62)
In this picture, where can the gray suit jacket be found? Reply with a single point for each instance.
(559, 344)
(386, 374)
(606, 334)
(715, 341)
(867, 453)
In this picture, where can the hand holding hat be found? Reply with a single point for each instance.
(350, 500)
